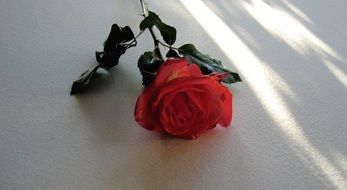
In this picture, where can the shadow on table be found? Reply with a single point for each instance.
(161, 162)
(108, 104)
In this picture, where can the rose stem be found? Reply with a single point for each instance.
(156, 41)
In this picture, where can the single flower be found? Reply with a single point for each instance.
(183, 102)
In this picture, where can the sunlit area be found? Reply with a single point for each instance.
(337, 72)
(287, 28)
(341, 160)
(266, 84)
(297, 11)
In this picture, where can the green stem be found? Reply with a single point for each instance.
(155, 39)
(171, 47)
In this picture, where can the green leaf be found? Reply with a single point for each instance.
(167, 32)
(148, 64)
(83, 80)
(207, 64)
(172, 53)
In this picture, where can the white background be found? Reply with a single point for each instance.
(290, 113)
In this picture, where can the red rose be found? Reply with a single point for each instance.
(183, 102)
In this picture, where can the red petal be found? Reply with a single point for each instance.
(174, 68)
(226, 98)
(143, 114)
(203, 94)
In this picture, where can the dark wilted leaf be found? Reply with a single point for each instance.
(111, 58)
(83, 80)
(118, 35)
(114, 46)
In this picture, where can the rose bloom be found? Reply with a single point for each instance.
(183, 102)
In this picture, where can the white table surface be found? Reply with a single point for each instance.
(290, 113)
